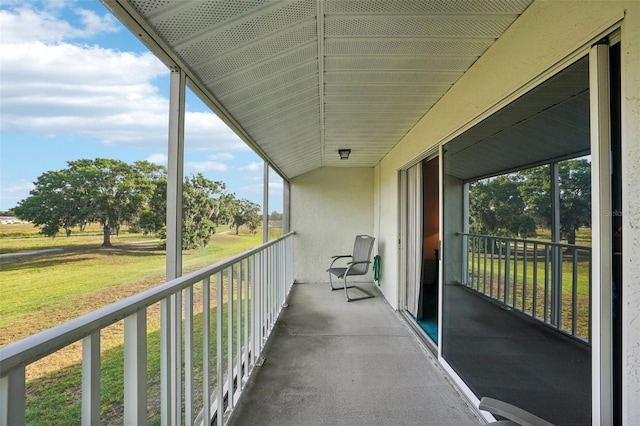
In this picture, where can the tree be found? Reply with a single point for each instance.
(275, 215)
(54, 203)
(245, 212)
(205, 205)
(574, 190)
(496, 207)
(110, 192)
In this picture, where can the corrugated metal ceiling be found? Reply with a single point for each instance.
(302, 78)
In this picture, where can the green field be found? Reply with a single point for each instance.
(42, 290)
(522, 283)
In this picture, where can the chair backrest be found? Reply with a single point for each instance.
(362, 248)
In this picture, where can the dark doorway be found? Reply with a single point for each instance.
(616, 216)
(428, 312)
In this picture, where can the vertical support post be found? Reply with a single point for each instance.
(239, 313)
(255, 294)
(247, 317)
(135, 368)
(188, 356)
(13, 396)
(491, 275)
(170, 336)
(286, 214)
(230, 307)
(175, 174)
(602, 344)
(535, 279)
(507, 273)
(556, 257)
(206, 351)
(91, 379)
(465, 231)
(265, 204)
(524, 276)
(219, 367)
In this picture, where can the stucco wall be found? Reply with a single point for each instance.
(330, 206)
(544, 36)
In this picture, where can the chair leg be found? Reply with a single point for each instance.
(351, 299)
(331, 284)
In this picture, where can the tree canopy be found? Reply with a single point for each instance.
(110, 192)
(245, 212)
(115, 193)
(515, 204)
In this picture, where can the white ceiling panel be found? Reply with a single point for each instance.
(298, 79)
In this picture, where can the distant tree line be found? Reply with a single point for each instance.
(516, 204)
(114, 193)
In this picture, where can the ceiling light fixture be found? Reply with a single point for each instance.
(344, 153)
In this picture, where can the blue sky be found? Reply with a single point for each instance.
(74, 83)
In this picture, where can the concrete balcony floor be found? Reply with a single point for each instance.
(330, 362)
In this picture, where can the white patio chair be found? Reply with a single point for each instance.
(359, 265)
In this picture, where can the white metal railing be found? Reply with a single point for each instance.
(252, 288)
(541, 279)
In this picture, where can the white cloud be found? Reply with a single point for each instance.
(159, 158)
(252, 167)
(95, 24)
(15, 191)
(204, 166)
(54, 88)
(222, 156)
(205, 131)
(26, 25)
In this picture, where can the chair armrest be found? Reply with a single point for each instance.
(352, 264)
(335, 258)
(511, 412)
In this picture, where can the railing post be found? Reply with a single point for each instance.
(515, 275)
(535, 279)
(493, 250)
(230, 387)
(90, 406)
(13, 395)
(135, 369)
(507, 273)
(574, 293)
(484, 266)
(500, 270)
(219, 371)
(248, 316)
(206, 351)
(239, 313)
(188, 356)
(556, 259)
(465, 259)
(524, 276)
(556, 287)
(547, 249)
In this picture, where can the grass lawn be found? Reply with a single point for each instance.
(43, 290)
(40, 291)
(482, 278)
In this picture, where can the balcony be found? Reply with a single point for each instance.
(324, 359)
(279, 353)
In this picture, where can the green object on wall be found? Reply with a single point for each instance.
(376, 269)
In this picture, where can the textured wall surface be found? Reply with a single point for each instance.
(330, 206)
